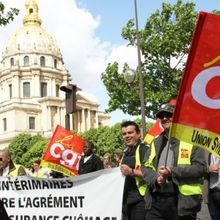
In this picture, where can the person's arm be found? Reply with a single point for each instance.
(149, 174)
(135, 172)
(214, 168)
(128, 171)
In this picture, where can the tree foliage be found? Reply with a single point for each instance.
(6, 17)
(21, 144)
(105, 139)
(35, 152)
(165, 38)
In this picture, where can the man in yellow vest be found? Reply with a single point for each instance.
(173, 171)
(8, 167)
(135, 187)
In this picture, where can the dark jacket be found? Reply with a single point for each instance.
(3, 213)
(131, 193)
(184, 174)
(94, 163)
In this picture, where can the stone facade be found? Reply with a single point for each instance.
(31, 74)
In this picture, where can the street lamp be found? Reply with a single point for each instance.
(128, 74)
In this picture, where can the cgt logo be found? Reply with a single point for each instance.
(199, 85)
(67, 157)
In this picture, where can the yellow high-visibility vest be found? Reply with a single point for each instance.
(140, 183)
(16, 170)
(185, 151)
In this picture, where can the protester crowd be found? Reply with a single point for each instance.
(166, 179)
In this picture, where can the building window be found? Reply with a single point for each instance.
(57, 90)
(31, 10)
(43, 89)
(26, 61)
(26, 89)
(31, 122)
(12, 62)
(10, 90)
(55, 63)
(42, 61)
(4, 124)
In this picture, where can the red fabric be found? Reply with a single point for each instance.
(204, 55)
(156, 128)
(64, 149)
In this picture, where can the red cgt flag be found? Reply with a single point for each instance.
(197, 113)
(63, 152)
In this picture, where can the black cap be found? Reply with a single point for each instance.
(166, 108)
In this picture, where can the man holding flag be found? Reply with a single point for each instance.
(173, 171)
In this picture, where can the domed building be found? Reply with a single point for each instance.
(32, 72)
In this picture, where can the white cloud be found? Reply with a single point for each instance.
(85, 55)
(122, 54)
(74, 29)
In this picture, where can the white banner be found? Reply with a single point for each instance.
(94, 196)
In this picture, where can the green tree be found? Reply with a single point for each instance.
(35, 152)
(6, 17)
(110, 139)
(21, 144)
(166, 36)
(105, 139)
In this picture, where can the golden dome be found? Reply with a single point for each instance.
(31, 37)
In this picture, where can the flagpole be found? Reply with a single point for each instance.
(140, 74)
(167, 153)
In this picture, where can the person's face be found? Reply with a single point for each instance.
(130, 135)
(106, 160)
(166, 120)
(36, 166)
(87, 149)
(4, 159)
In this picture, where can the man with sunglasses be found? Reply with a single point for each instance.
(173, 171)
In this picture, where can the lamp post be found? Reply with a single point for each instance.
(129, 78)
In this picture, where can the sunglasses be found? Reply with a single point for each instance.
(166, 115)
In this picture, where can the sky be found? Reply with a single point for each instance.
(88, 33)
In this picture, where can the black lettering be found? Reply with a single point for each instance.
(24, 185)
(8, 202)
(200, 139)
